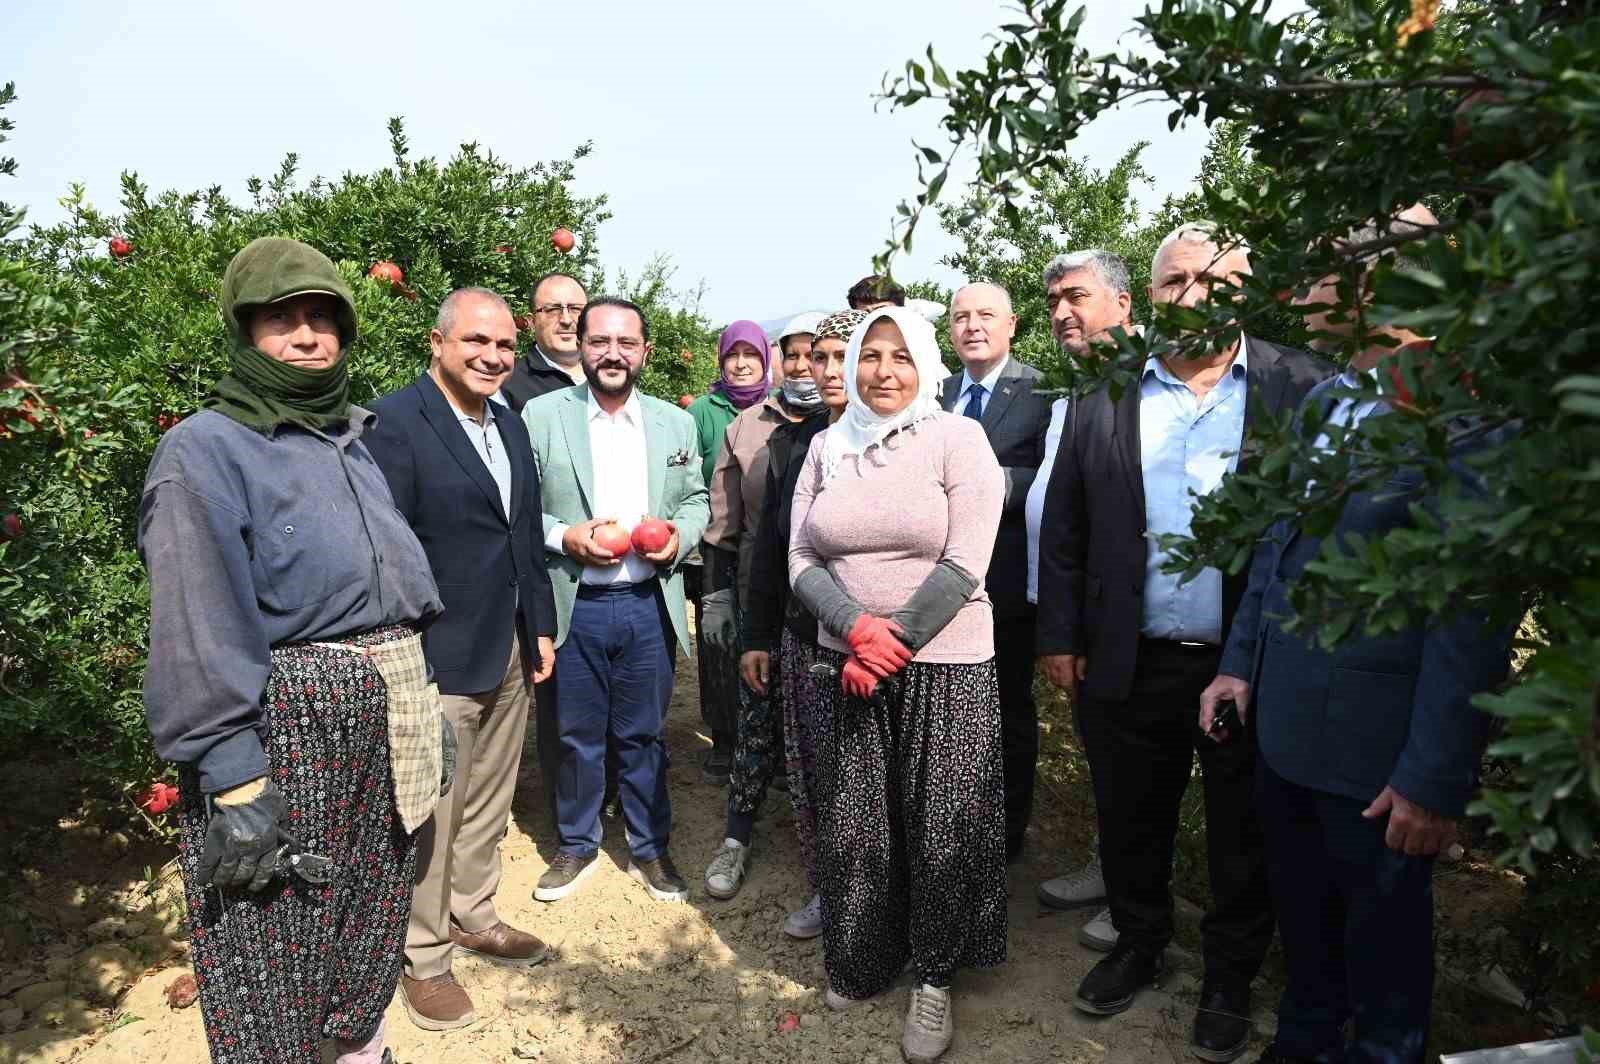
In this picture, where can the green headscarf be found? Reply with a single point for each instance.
(260, 391)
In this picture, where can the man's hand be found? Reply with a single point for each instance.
(1065, 671)
(545, 662)
(754, 668)
(1221, 689)
(577, 543)
(668, 554)
(1412, 829)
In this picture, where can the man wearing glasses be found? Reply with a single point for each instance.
(609, 457)
(554, 362)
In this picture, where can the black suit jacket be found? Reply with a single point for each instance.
(1015, 419)
(1092, 550)
(530, 378)
(489, 565)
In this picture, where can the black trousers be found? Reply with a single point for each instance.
(1356, 921)
(1141, 753)
(1019, 720)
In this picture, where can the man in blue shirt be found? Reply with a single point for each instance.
(1136, 646)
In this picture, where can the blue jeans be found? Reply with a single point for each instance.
(1356, 922)
(615, 672)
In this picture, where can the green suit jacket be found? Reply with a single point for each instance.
(558, 423)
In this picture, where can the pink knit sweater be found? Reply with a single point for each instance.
(930, 492)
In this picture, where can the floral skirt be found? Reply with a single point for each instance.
(286, 967)
(798, 695)
(910, 826)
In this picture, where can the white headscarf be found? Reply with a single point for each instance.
(860, 428)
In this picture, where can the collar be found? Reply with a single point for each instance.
(1350, 377)
(1238, 369)
(987, 380)
(488, 414)
(632, 410)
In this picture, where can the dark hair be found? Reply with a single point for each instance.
(613, 301)
(874, 288)
(533, 292)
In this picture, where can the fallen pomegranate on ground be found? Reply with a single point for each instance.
(650, 535)
(611, 537)
(159, 798)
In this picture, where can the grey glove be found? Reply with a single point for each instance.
(447, 752)
(829, 603)
(242, 840)
(934, 604)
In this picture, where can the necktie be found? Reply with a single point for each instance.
(974, 407)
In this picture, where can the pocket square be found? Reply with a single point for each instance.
(678, 458)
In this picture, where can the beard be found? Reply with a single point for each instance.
(592, 375)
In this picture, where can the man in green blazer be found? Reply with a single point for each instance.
(610, 457)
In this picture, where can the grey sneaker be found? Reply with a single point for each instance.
(929, 1026)
(564, 875)
(1100, 933)
(1087, 886)
(725, 873)
(805, 922)
(660, 878)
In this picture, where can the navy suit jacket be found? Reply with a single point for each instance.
(489, 565)
(1376, 711)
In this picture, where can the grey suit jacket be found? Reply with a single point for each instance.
(1016, 419)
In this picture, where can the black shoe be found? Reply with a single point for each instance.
(1221, 1022)
(563, 876)
(1273, 1056)
(1111, 985)
(660, 877)
(717, 767)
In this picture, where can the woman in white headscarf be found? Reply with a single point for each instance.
(894, 519)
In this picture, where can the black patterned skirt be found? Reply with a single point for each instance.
(910, 815)
(282, 969)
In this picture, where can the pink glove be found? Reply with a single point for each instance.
(874, 640)
(856, 679)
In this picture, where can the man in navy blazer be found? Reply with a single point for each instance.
(462, 473)
(1368, 753)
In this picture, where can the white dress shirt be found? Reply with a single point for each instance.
(988, 381)
(619, 450)
(1033, 508)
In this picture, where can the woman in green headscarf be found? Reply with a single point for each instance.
(286, 677)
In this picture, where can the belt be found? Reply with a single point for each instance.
(1187, 645)
(638, 587)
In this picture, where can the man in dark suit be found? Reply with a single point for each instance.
(1368, 751)
(461, 469)
(1137, 646)
(997, 391)
(553, 362)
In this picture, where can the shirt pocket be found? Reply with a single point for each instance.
(311, 547)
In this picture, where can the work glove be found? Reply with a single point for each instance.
(857, 679)
(875, 641)
(447, 754)
(242, 839)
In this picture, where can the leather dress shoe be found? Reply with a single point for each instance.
(1112, 984)
(502, 944)
(1221, 1022)
(436, 1004)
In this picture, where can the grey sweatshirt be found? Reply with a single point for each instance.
(251, 542)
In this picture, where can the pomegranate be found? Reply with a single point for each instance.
(686, 401)
(562, 240)
(650, 535)
(384, 270)
(611, 537)
(120, 247)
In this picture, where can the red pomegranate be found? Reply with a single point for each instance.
(650, 535)
(611, 537)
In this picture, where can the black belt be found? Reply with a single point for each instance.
(1185, 646)
(638, 587)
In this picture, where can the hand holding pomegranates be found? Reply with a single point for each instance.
(579, 542)
(656, 540)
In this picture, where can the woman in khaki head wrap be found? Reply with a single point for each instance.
(286, 677)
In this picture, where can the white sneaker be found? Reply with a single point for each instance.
(1087, 886)
(1100, 933)
(929, 1025)
(805, 922)
(725, 873)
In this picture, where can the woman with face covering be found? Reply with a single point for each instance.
(894, 520)
(738, 489)
(781, 636)
(745, 359)
(286, 677)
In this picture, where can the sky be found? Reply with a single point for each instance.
(742, 140)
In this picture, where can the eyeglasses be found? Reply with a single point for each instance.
(628, 345)
(572, 309)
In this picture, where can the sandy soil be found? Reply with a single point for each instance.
(634, 980)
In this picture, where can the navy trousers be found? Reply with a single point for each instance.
(1356, 922)
(616, 679)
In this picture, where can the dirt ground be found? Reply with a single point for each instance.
(93, 942)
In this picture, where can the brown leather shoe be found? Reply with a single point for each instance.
(502, 944)
(437, 1004)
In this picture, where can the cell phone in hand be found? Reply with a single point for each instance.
(1226, 718)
